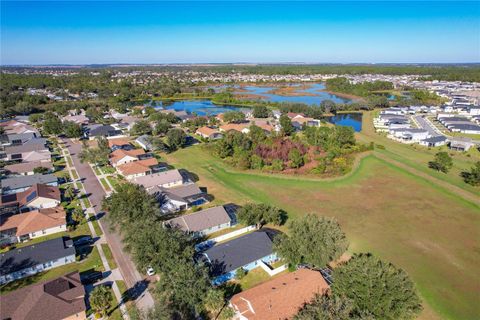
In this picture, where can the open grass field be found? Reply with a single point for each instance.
(420, 227)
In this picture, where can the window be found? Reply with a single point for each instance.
(16, 156)
(44, 232)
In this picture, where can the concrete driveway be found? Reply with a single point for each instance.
(133, 279)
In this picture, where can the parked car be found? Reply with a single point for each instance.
(92, 277)
(150, 271)
(83, 241)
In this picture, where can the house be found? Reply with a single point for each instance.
(165, 179)
(409, 135)
(204, 222)
(137, 168)
(38, 196)
(121, 156)
(27, 168)
(22, 183)
(209, 133)
(245, 252)
(461, 144)
(17, 127)
(239, 127)
(178, 198)
(78, 119)
(16, 139)
(435, 141)
(27, 261)
(30, 151)
(62, 298)
(300, 121)
(145, 142)
(279, 298)
(32, 224)
(102, 131)
(119, 143)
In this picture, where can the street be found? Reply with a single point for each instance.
(133, 279)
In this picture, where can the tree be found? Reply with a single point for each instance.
(261, 214)
(286, 124)
(442, 162)
(240, 273)
(296, 158)
(214, 303)
(40, 170)
(72, 130)
(101, 299)
(176, 138)
(52, 124)
(97, 156)
(376, 288)
(313, 240)
(326, 307)
(472, 177)
(257, 134)
(78, 216)
(141, 127)
(260, 112)
(233, 117)
(69, 193)
(23, 107)
(162, 127)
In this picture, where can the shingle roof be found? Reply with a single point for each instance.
(137, 167)
(35, 254)
(32, 193)
(34, 221)
(23, 167)
(158, 179)
(28, 147)
(435, 139)
(27, 181)
(49, 300)
(200, 220)
(281, 297)
(119, 154)
(231, 255)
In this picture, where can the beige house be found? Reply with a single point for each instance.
(137, 168)
(165, 179)
(26, 168)
(121, 156)
(38, 196)
(209, 133)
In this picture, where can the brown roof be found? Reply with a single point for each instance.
(119, 154)
(281, 297)
(201, 220)
(234, 126)
(137, 167)
(206, 131)
(33, 221)
(35, 191)
(118, 142)
(23, 167)
(51, 300)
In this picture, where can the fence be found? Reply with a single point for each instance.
(211, 242)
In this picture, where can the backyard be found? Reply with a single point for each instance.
(418, 226)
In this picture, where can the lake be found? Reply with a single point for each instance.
(207, 108)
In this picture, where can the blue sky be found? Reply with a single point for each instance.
(55, 32)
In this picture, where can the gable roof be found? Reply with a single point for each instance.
(49, 300)
(33, 221)
(281, 297)
(200, 220)
(206, 131)
(101, 130)
(27, 181)
(118, 142)
(137, 167)
(23, 167)
(27, 147)
(35, 254)
(158, 179)
(229, 256)
(34, 192)
(119, 154)
(234, 126)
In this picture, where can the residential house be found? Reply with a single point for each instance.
(246, 252)
(145, 142)
(409, 135)
(78, 119)
(27, 261)
(239, 127)
(27, 168)
(279, 298)
(16, 139)
(435, 141)
(17, 127)
(165, 179)
(30, 151)
(22, 183)
(299, 121)
(32, 224)
(38, 196)
(101, 131)
(180, 198)
(120, 143)
(62, 298)
(209, 133)
(121, 156)
(203, 222)
(461, 143)
(137, 168)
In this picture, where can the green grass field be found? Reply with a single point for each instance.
(109, 256)
(420, 227)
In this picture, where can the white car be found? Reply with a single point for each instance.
(150, 271)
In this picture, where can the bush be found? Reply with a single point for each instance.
(240, 273)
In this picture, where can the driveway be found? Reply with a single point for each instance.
(133, 279)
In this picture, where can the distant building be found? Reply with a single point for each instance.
(62, 298)
(27, 261)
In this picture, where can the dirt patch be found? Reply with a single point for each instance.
(292, 91)
(249, 96)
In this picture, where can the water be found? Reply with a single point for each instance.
(307, 99)
(353, 120)
(199, 107)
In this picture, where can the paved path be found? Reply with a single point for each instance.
(427, 125)
(133, 279)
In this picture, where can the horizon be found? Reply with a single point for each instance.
(46, 33)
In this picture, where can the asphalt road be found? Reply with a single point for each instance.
(425, 125)
(133, 279)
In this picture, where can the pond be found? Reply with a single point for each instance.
(353, 120)
(314, 94)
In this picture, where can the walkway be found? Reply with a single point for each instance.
(95, 192)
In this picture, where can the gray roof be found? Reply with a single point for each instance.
(27, 147)
(17, 136)
(231, 255)
(184, 191)
(27, 181)
(145, 140)
(462, 126)
(435, 139)
(35, 254)
(158, 179)
(102, 130)
(201, 220)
